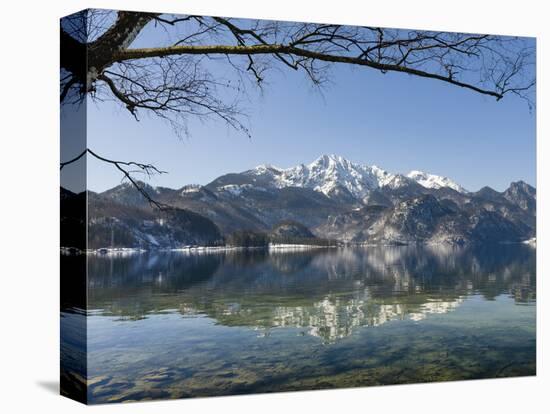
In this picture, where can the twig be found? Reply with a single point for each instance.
(148, 169)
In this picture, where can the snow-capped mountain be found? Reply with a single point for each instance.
(326, 174)
(331, 198)
(331, 174)
(434, 181)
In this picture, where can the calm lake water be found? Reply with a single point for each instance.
(173, 325)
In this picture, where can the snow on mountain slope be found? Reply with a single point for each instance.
(434, 181)
(330, 174)
(326, 174)
(396, 181)
(330, 171)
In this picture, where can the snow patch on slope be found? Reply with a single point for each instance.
(434, 181)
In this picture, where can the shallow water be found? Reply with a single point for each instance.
(170, 325)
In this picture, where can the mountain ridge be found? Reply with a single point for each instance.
(328, 172)
(333, 198)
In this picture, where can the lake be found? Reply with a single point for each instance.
(175, 325)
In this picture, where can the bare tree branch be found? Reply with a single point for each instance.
(79, 156)
(147, 169)
(131, 54)
(172, 81)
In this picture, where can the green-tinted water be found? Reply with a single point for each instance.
(169, 325)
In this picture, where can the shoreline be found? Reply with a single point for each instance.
(193, 249)
(275, 248)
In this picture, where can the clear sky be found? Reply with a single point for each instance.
(398, 122)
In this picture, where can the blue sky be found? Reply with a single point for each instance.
(398, 122)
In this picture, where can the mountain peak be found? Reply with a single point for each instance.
(267, 168)
(333, 157)
(332, 174)
(520, 184)
(418, 174)
(521, 194)
(127, 184)
(434, 181)
(328, 160)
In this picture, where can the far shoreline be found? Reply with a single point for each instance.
(109, 251)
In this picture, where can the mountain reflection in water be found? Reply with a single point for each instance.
(327, 293)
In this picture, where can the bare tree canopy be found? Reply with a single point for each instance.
(174, 82)
(174, 77)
